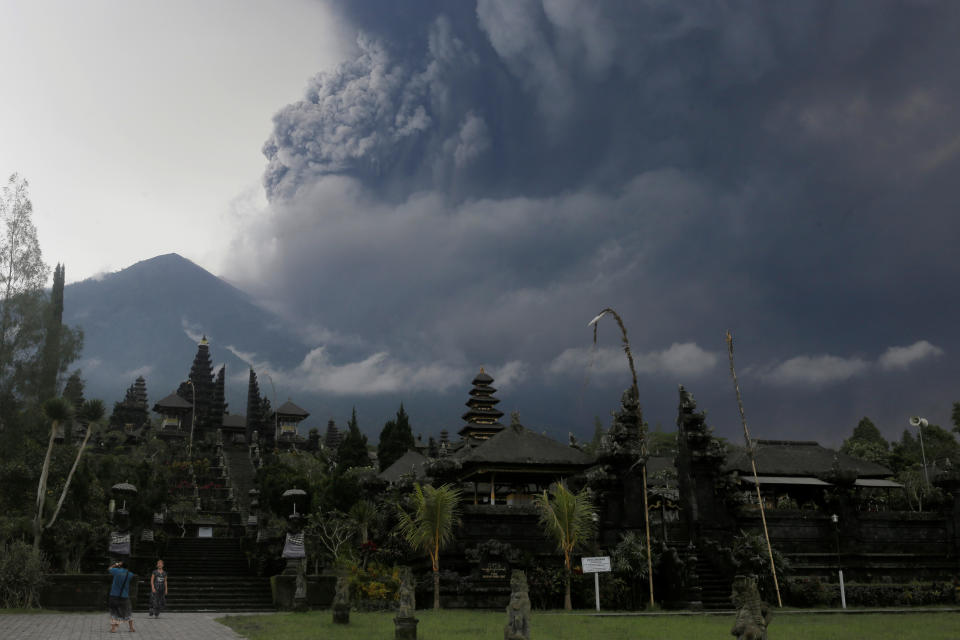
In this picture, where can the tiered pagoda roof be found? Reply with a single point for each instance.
(483, 417)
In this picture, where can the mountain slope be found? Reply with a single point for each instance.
(139, 321)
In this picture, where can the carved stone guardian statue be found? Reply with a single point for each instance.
(518, 611)
(405, 622)
(753, 615)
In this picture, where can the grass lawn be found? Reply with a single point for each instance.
(487, 625)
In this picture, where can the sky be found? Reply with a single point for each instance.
(427, 187)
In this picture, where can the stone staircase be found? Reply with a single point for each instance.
(715, 589)
(242, 475)
(209, 574)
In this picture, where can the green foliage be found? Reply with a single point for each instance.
(373, 587)
(363, 513)
(751, 555)
(182, 512)
(71, 540)
(435, 513)
(21, 575)
(568, 519)
(955, 416)
(353, 449)
(483, 625)
(629, 560)
(661, 443)
(396, 439)
(938, 445)
(598, 432)
(867, 443)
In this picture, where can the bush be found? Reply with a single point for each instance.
(21, 575)
(809, 592)
(815, 592)
(374, 588)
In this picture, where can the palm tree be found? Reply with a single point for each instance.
(430, 527)
(566, 517)
(57, 410)
(363, 513)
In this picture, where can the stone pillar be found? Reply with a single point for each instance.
(341, 601)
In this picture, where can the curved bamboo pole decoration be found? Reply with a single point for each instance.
(641, 432)
(753, 464)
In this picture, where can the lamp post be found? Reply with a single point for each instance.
(835, 519)
(920, 423)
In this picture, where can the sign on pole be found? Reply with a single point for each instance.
(596, 566)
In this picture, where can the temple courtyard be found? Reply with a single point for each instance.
(929, 624)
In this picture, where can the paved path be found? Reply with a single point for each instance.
(90, 626)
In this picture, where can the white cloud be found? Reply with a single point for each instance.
(377, 373)
(904, 357)
(815, 370)
(679, 359)
(822, 369)
(194, 332)
(144, 371)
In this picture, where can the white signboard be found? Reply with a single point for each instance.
(599, 564)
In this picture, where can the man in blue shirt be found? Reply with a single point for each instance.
(120, 609)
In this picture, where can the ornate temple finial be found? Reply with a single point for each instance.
(514, 418)
(204, 340)
(481, 370)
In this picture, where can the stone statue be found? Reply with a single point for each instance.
(341, 601)
(753, 615)
(518, 611)
(405, 623)
(407, 595)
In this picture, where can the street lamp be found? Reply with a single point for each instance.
(920, 423)
(835, 519)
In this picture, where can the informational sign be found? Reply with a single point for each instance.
(600, 564)
(204, 532)
(596, 566)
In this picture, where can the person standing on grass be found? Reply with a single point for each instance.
(158, 590)
(120, 609)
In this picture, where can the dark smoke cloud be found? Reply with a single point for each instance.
(479, 179)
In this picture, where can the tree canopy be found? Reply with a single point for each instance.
(396, 439)
(353, 448)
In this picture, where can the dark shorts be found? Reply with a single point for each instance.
(120, 609)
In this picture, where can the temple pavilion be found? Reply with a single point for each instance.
(494, 464)
(175, 416)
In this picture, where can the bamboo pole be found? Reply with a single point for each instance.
(641, 432)
(753, 465)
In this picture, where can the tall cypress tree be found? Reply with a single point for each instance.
(73, 391)
(353, 448)
(396, 439)
(50, 359)
(254, 416)
(218, 407)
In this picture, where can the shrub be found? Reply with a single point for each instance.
(374, 587)
(809, 592)
(21, 575)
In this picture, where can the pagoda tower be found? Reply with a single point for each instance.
(483, 417)
(202, 393)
